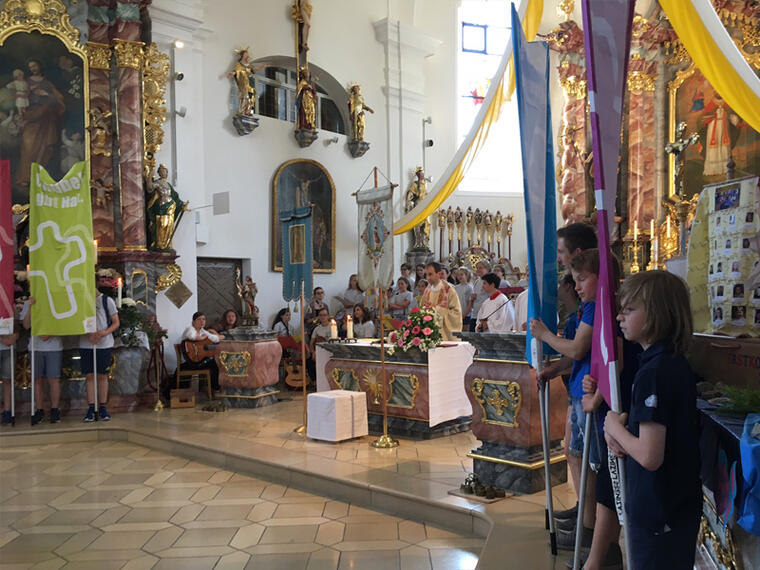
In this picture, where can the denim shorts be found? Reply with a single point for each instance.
(47, 364)
(577, 430)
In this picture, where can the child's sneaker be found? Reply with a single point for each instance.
(90, 415)
(38, 417)
(55, 415)
(103, 414)
(7, 418)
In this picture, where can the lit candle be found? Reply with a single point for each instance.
(27, 272)
(656, 251)
(635, 230)
(333, 329)
(651, 229)
(118, 295)
(349, 327)
(95, 250)
(667, 227)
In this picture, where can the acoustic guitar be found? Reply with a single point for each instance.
(197, 350)
(293, 375)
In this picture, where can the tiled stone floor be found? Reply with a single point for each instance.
(112, 504)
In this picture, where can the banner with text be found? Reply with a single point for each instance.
(61, 252)
(6, 250)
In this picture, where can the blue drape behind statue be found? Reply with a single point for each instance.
(296, 253)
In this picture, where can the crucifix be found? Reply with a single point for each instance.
(678, 148)
(301, 14)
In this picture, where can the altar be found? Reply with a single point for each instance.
(426, 390)
(248, 372)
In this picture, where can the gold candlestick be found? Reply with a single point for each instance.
(635, 262)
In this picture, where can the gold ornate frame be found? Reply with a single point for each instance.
(275, 214)
(414, 383)
(478, 388)
(132, 285)
(49, 17)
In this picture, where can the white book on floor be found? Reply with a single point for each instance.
(336, 415)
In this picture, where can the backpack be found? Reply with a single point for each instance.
(109, 320)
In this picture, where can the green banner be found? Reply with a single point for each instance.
(61, 252)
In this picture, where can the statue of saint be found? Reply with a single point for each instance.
(101, 126)
(164, 209)
(356, 108)
(247, 292)
(306, 100)
(416, 192)
(243, 73)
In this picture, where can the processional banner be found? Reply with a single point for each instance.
(607, 26)
(296, 253)
(6, 250)
(61, 252)
(375, 263)
(532, 87)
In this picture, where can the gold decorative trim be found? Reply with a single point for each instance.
(46, 16)
(373, 387)
(639, 81)
(495, 399)
(336, 375)
(532, 466)
(129, 54)
(99, 55)
(681, 76)
(414, 382)
(245, 355)
(132, 286)
(156, 66)
(726, 555)
(173, 275)
(387, 362)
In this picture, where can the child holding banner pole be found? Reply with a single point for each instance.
(46, 356)
(95, 352)
(7, 365)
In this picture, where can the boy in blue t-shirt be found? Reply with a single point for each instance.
(576, 352)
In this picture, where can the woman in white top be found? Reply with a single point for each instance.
(400, 303)
(196, 332)
(352, 296)
(281, 325)
(363, 325)
(465, 292)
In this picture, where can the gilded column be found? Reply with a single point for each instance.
(575, 160)
(129, 55)
(642, 79)
(101, 145)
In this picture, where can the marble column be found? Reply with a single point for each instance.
(129, 62)
(101, 171)
(641, 151)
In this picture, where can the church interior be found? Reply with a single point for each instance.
(376, 376)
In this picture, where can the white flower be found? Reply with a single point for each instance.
(128, 301)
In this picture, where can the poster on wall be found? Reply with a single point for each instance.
(297, 184)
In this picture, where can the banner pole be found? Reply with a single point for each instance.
(543, 407)
(95, 374)
(384, 441)
(582, 491)
(13, 385)
(31, 370)
(301, 430)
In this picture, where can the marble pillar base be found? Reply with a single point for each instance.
(414, 257)
(244, 124)
(305, 137)
(523, 474)
(358, 148)
(415, 429)
(248, 397)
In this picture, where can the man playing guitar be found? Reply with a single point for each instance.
(198, 346)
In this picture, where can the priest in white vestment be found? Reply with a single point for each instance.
(497, 313)
(443, 299)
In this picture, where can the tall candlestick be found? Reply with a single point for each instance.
(333, 329)
(118, 295)
(656, 252)
(95, 250)
(349, 327)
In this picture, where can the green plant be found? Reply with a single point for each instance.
(130, 322)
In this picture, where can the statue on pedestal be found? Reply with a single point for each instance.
(247, 292)
(416, 192)
(165, 209)
(243, 74)
(306, 106)
(356, 109)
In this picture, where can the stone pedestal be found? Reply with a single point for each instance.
(515, 468)
(415, 257)
(305, 137)
(245, 124)
(358, 148)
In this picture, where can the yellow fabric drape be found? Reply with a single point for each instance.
(711, 61)
(530, 25)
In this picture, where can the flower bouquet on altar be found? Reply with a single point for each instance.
(421, 330)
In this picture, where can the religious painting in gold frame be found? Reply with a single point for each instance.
(722, 133)
(298, 183)
(44, 91)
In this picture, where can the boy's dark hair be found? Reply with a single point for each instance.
(406, 266)
(198, 314)
(578, 236)
(316, 289)
(666, 300)
(435, 265)
(319, 312)
(492, 278)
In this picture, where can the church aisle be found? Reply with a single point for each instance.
(112, 504)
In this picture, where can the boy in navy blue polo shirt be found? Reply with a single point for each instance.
(659, 438)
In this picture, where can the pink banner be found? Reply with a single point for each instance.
(6, 250)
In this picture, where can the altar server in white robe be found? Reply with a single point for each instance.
(497, 313)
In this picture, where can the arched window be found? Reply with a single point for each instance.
(276, 94)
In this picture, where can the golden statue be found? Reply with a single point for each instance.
(356, 108)
(306, 100)
(164, 209)
(101, 126)
(243, 73)
(415, 193)
(301, 13)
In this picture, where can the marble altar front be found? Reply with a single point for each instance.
(248, 372)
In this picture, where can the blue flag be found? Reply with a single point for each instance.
(532, 88)
(296, 253)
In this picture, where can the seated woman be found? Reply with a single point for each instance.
(350, 297)
(281, 323)
(228, 321)
(400, 303)
(198, 333)
(363, 325)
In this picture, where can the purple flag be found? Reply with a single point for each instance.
(607, 33)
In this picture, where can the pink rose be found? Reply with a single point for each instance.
(427, 331)
(416, 330)
(406, 333)
(416, 341)
(427, 318)
(409, 322)
(393, 337)
(415, 310)
(400, 342)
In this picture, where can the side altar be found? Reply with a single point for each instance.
(501, 387)
(426, 390)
